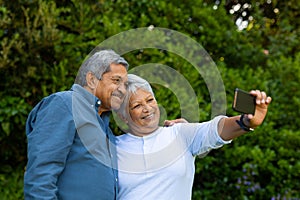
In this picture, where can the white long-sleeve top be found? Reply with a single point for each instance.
(160, 166)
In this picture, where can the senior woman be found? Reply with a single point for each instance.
(158, 162)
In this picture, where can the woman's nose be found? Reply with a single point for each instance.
(146, 108)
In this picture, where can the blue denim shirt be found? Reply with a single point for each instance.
(71, 149)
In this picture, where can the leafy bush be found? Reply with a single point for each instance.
(11, 183)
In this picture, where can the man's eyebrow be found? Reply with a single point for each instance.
(116, 76)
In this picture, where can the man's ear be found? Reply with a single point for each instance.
(91, 80)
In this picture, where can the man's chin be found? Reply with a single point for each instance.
(115, 106)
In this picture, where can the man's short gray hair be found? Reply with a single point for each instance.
(99, 63)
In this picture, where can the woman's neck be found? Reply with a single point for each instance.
(142, 132)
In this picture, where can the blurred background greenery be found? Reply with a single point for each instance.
(255, 44)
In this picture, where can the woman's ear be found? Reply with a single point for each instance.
(122, 118)
(91, 80)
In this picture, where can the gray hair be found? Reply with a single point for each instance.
(99, 63)
(134, 83)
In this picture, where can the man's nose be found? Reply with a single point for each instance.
(122, 88)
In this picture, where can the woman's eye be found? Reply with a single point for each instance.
(136, 106)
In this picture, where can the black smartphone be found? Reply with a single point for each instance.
(243, 102)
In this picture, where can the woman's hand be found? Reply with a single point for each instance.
(261, 109)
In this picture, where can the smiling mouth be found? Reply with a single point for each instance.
(120, 96)
(148, 116)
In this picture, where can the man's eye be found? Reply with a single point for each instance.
(150, 100)
(116, 80)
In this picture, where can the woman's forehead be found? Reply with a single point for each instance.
(140, 94)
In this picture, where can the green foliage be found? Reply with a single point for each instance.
(283, 83)
(44, 42)
(11, 183)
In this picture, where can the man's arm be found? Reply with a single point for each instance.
(50, 132)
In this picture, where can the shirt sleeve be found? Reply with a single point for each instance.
(50, 132)
(201, 138)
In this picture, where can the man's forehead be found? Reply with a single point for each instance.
(116, 74)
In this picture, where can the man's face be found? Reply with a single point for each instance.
(112, 88)
(144, 113)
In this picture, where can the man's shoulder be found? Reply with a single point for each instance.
(59, 96)
(65, 93)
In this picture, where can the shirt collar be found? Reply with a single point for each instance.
(92, 99)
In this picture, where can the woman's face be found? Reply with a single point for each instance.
(144, 113)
